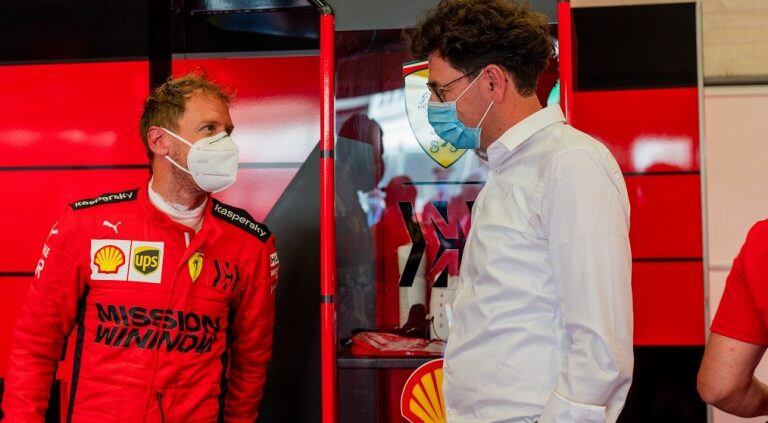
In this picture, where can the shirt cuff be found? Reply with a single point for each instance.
(737, 333)
(559, 409)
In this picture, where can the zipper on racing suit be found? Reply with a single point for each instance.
(159, 395)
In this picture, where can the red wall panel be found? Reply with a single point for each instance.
(276, 111)
(665, 215)
(39, 198)
(72, 114)
(668, 303)
(257, 190)
(646, 130)
(653, 134)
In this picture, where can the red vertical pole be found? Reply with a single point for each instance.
(565, 40)
(327, 222)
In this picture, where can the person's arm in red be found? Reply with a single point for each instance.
(726, 378)
(251, 337)
(46, 319)
(739, 337)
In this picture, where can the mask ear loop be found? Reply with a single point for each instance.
(178, 137)
(176, 164)
(168, 157)
(485, 114)
(468, 87)
(465, 90)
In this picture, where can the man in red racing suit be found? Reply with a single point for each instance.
(173, 323)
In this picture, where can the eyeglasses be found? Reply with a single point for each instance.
(439, 90)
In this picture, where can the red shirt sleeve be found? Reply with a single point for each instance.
(739, 316)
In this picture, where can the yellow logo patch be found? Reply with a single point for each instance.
(108, 259)
(195, 265)
(146, 260)
(422, 398)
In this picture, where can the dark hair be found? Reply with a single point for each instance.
(472, 34)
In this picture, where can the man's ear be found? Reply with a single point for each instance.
(159, 141)
(498, 82)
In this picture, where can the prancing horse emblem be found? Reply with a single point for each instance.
(195, 264)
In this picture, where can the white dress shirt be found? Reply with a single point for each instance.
(542, 320)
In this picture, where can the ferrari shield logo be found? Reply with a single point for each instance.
(416, 100)
(195, 264)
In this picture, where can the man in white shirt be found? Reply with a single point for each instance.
(542, 320)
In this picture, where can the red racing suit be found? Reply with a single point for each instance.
(171, 325)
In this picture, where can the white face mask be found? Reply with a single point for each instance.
(212, 161)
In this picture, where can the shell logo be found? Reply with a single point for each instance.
(109, 258)
(422, 398)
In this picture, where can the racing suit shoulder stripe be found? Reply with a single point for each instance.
(106, 198)
(240, 218)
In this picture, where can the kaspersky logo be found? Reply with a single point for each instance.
(146, 259)
(416, 101)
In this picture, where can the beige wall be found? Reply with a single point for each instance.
(735, 157)
(736, 162)
(735, 37)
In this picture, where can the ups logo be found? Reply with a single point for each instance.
(146, 260)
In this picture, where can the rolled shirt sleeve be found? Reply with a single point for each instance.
(586, 214)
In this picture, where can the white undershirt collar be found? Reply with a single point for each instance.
(178, 213)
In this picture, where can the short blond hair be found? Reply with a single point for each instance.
(167, 103)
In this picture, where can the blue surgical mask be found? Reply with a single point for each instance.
(445, 121)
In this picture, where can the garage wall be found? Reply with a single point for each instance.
(735, 41)
(735, 155)
(636, 89)
(735, 37)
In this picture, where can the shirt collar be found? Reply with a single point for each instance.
(207, 233)
(190, 217)
(522, 131)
